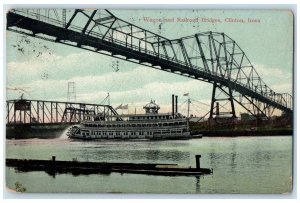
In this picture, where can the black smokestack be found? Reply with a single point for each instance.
(172, 104)
(176, 104)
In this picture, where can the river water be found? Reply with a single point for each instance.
(241, 165)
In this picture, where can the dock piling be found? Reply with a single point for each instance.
(197, 157)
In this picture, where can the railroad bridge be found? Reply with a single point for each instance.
(48, 119)
(211, 57)
(37, 112)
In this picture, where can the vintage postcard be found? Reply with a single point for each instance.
(149, 101)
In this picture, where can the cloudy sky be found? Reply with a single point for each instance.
(42, 70)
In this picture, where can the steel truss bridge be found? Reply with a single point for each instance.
(206, 56)
(36, 112)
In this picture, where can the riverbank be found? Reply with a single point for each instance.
(238, 133)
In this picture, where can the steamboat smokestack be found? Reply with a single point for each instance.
(176, 104)
(172, 104)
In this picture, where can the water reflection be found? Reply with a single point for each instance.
(213, 158)
(233, 157)
(51, 173)
(197, 184)
(261, 158)
(149, 155)
(241, 165)
(142, 150)
(226, 156)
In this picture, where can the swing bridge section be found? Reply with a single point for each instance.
(40, 112)
(211, 57)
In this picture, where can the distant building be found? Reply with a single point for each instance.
(247, 117)
(197, 119)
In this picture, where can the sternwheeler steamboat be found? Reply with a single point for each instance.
(151, 125)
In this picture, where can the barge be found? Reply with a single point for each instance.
(75, 167)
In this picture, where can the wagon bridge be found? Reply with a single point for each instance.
(206, 56)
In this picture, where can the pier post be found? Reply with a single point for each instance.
(197, 157)
(53, 158)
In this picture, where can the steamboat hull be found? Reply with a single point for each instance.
(155, 137)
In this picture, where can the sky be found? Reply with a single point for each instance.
(42, 69)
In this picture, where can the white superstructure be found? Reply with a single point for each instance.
(151, 125)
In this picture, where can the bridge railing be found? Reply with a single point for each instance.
(29, 13)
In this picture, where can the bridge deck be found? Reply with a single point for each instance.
(115, 47)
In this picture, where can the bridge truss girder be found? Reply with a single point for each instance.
(209, 56)
(53, 112)
(254, 107)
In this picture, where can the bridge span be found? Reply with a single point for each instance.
(49, 119)
(38, 112)
(206, 56)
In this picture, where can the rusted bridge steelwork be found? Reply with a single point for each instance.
(36, 112)
(207, 56)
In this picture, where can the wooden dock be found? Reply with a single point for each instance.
(84, 168)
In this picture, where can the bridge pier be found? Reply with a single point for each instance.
(197, 157)
(227, 97)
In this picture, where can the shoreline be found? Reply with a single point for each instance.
(244, 133)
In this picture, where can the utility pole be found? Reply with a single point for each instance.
(71, 97)
(71, 92)
(188, 101)
(108, 101)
